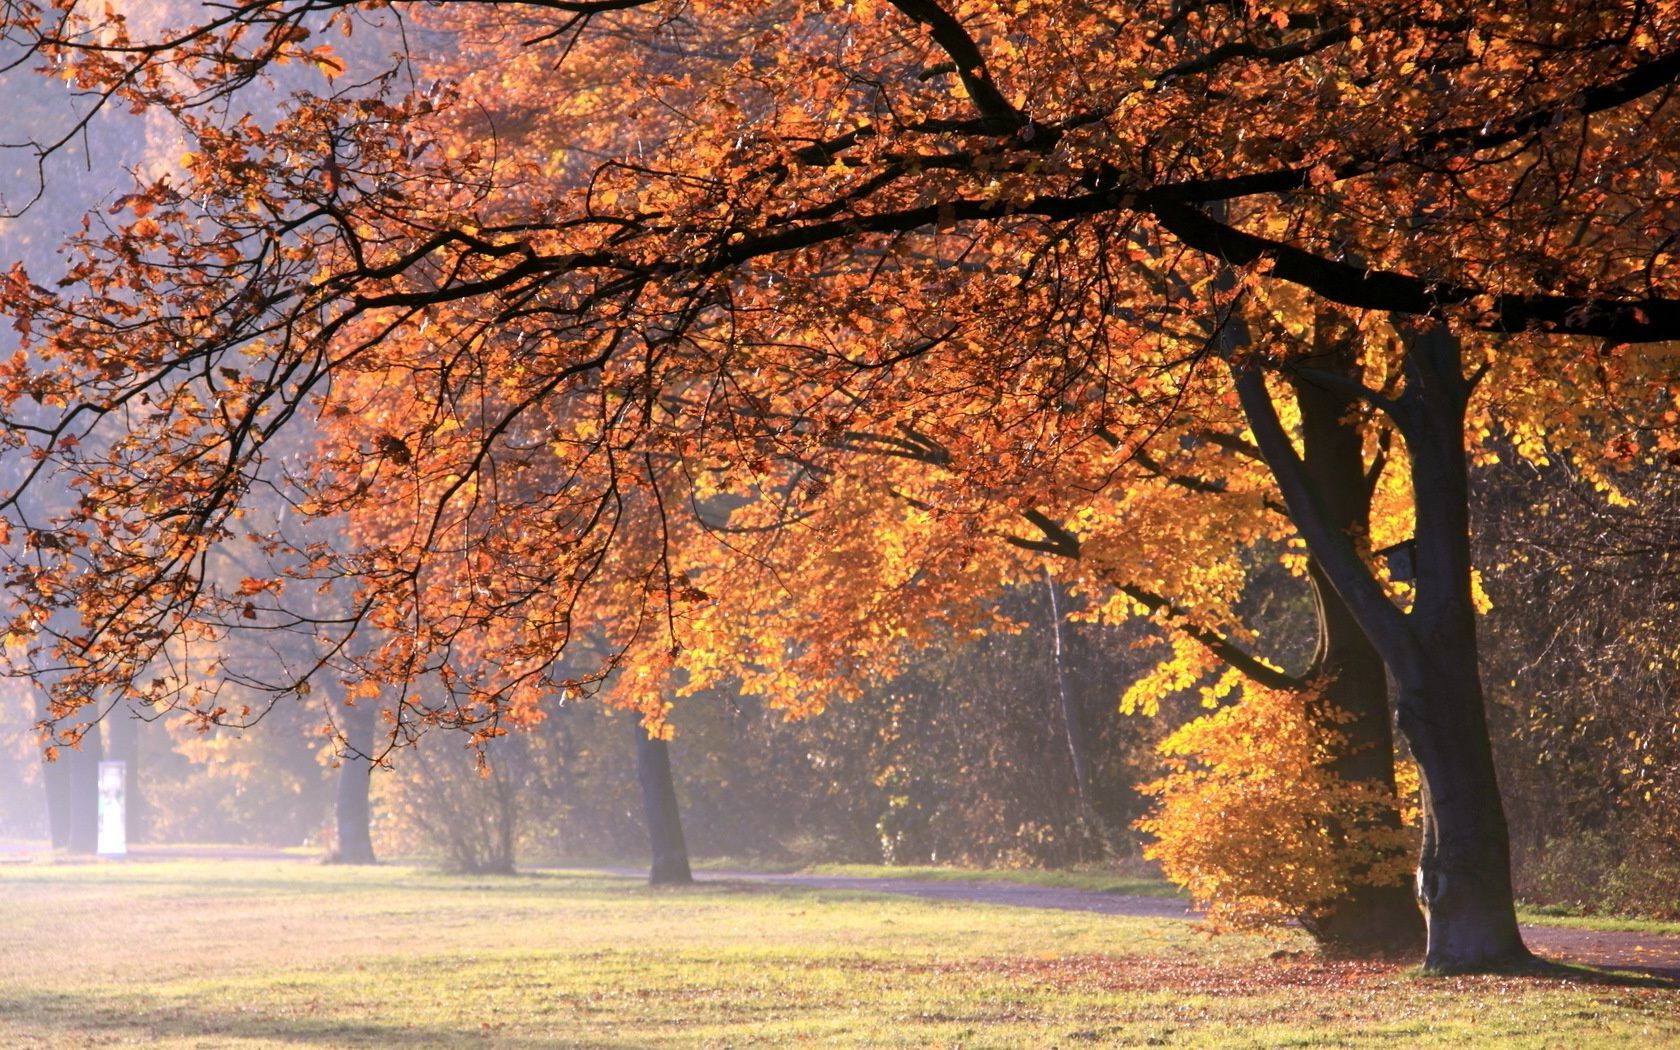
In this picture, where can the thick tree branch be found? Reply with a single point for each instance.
(1621, 320)
(1658, 74)
(1332, 549)
(999, 114)
(1059, 541)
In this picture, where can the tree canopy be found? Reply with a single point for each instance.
(619, 319)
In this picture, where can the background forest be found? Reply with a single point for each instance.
(967, 759)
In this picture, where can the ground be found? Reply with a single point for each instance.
(1653, 953)
(241, 951)
(1657, 954)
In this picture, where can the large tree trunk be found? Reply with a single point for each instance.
(1383, 918)
(1464, 870)
(659, 807)
(351, 809)
(1464, 881)
(1369, 919)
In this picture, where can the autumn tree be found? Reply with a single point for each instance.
(1293, 839)
(948, 544)
(999, 230)
(382, 440)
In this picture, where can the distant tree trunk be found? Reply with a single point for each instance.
(659, 807)
(1073, 720)
(504, 784)
(58, 776)
(73, 795)
(1369, 919)
(355, 780)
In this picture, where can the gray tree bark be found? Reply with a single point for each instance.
(669, 851)
(352, 810)
(72, 784)
(1073, 719)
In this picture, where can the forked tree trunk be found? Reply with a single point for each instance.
(1464, 879)
(352, 809)
(669, 852)
(1369, 919)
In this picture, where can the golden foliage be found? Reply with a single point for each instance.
(1251, 820)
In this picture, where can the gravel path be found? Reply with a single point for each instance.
(978, 891)
(1655, 954)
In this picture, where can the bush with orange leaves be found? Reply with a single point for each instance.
(1251, 820)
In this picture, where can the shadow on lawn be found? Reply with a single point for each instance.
(1666, 978)
(63, 1018)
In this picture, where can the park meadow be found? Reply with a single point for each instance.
(288, 953)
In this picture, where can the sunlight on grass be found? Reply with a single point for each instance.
(1553, 916)
(272, 954)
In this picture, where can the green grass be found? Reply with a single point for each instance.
(1553, 916)
(1100, 881)
(286, 954)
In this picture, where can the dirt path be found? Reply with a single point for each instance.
(1655, 954)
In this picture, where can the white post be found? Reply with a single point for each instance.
(113, 809)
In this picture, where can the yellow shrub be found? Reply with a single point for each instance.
(1252, 822)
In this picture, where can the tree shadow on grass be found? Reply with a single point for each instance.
(1663, 977)
(1542, 968)
(57, 1018)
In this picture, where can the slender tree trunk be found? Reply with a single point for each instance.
(659, 807)
(59, 778)
(1073, 719)
(352, 810)
(507, 809)
(84, 797)
(1369, 919)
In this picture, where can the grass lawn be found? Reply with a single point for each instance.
(289, 954)
(1099, 881)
